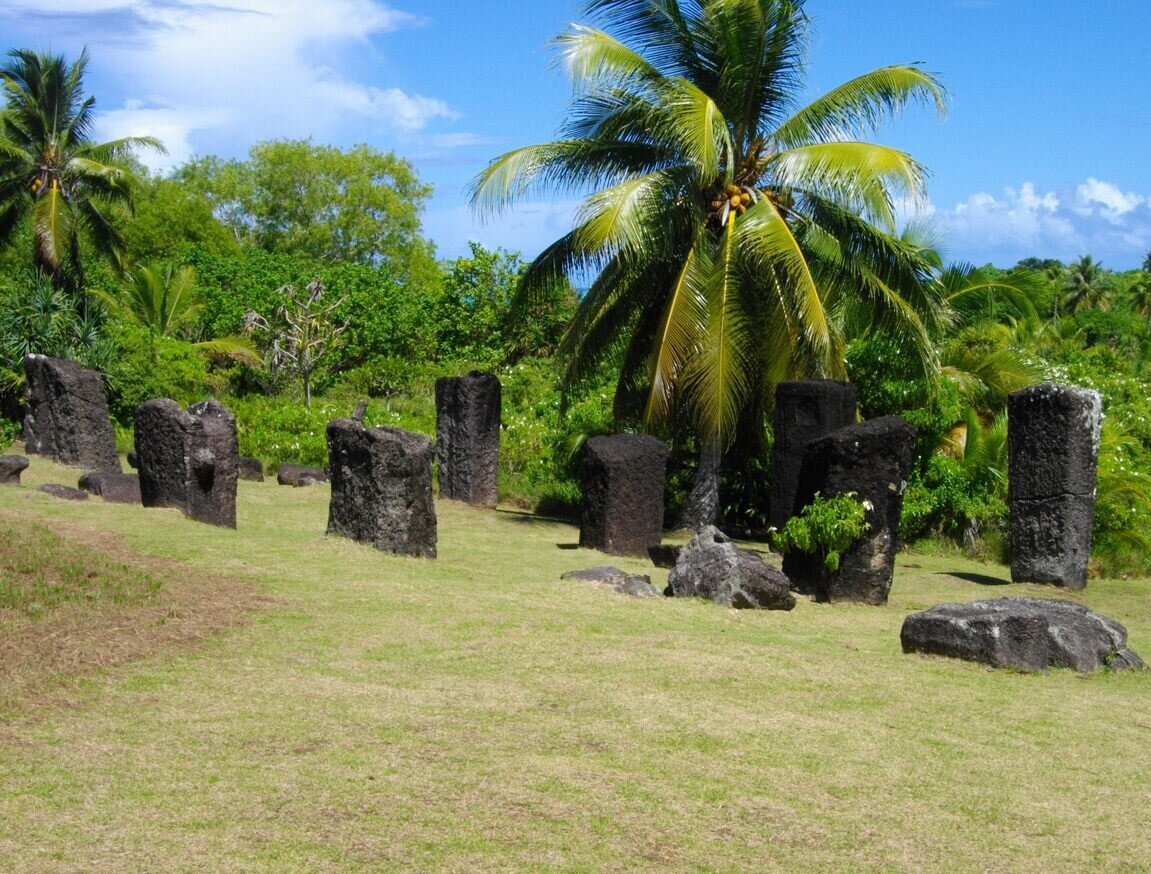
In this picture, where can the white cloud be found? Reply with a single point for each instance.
(1095, 218)
(1104, 199)
(206, 72)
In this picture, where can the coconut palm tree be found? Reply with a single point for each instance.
(1086, 286)
(51, 173)
(730, 232)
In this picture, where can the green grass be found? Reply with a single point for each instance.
(31, 587)
(474, 713)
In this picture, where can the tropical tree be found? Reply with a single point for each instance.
(731, 234)
(167, 302)
(51, 173)
(320, 202)
(302, 333)
(1086, 286)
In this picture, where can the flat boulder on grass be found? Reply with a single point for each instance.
(116, 488)
(251, 469)
(713, 567)
(637, 585)
(11, 466)
(300, 475)
(63, 492)
(1027, 634)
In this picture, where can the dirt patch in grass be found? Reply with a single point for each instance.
(79, 601)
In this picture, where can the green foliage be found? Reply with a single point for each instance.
(320, 203)
(541, 442)
(302, 335)
(826, 527)
(156, 367)
(276, 429)
(170, 221)
(38, 318)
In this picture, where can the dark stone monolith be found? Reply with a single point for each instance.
(188, 459)
(1053, 450)
(382, 488)
(804, 410)
(873, 460)
(468, 437)
(623, 482)
(67, 418)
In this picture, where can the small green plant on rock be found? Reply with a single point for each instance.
(826, 527)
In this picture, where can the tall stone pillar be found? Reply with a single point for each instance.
(804, 410)
(188, 459)
(623, 484)
(873, 460)
(1053, 452)
(468, 437)
(382, 488)
(67, 417)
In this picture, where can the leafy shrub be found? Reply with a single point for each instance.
(825, 527)
(156, 367)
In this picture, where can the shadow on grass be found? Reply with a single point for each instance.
(980, 579)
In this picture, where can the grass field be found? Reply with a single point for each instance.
(271, 699)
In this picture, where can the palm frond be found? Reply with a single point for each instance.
(860, 106)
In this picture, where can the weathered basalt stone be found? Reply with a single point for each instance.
(300, 475)
(468, 437)
(251, 469)
(188, 459)
(804, 411)
(713, 567)
(636, 585)
(116, 488)
(63, 492)
(11, 466)
(1027, 634)
(1053, 451)
(382, 488)
(623, 483)
(67, 417)
(873, 460)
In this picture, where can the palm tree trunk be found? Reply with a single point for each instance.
(702, 506)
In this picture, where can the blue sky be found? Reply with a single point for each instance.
(1044, 151)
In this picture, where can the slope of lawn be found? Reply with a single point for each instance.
(332, 708)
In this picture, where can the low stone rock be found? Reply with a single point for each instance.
(300, 475)
(251, 469)
(65, 493)
(11, 466)
(713, 567)
(1027, 634)
(637, 585)
(116, 488)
